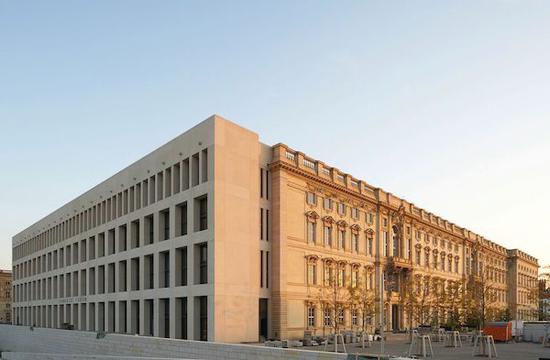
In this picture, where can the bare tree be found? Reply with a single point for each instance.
(362, 299)
(333, 298)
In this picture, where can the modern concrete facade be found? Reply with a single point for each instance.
(5, 296)
(216, 236)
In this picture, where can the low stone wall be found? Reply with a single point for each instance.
(53, 341)
(42, 356)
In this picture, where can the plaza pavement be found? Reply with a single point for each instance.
(397, 345)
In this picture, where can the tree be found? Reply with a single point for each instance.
(362, 299)
(333, 297)
(480, 298)
(417, 299)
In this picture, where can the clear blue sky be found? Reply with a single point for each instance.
(445, 103)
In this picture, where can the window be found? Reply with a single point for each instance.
(341, 277)
(370, 241)
(329, 275)
(204, 163)
(326, 317)
(354, 317)
(355, 213)
(384, 222)
(201, 213)
(311, 198)
(355, 242)
(342, 239)
(342, 209)
(418, 256)
(327, 203)
(181, 266)
(149, 229)
(436, 263)
(354, 277)
(311, 232)
(427, 259)
(341, 316)
(134, 228)
(312, 273)
(202, 263)
(164, 269)
(165, 224)
(311, 316)
(327, 235)
(181, 214)
(370, 218)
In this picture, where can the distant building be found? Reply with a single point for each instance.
(5, 296)
(217, 236)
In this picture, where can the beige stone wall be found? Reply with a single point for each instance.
(5, 296)
(236, 223)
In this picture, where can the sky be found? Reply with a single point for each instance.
(443, 103)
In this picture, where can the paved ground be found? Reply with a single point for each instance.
(397, 346)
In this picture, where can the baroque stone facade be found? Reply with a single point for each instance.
(5, 296)
(216, 236)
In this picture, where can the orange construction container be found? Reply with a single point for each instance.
(501, 330)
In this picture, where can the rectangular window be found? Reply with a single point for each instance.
(341, 277)
(370, 245)
(311, 198)
(164, 269)
(204, 167)
(261, 223)
(134, 273)
(149, 272)
(312, 273)
(195, 169)
(355, 242)
(261, 183)
(185, 174)
(341, 239)
(355, 213)
(327, 204)
(201, 213)
(327, 235)
(326, 317)
(111, 242)
(203, 318)
(342, 209)
(202, 263)
(354, 317)
(168, 182)
(149, 229)
(122, 238)
(181, 216)
(176, 174)
(164, 223)
(311, 316)
(311, 232)
(134, 228)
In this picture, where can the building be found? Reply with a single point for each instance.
(5, 296)
(216, 236)
(523, 285)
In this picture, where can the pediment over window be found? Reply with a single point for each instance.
(312, 258)
(369, 232)
(355, 228)
(342, 224)
(312, 215)
(329, 220)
